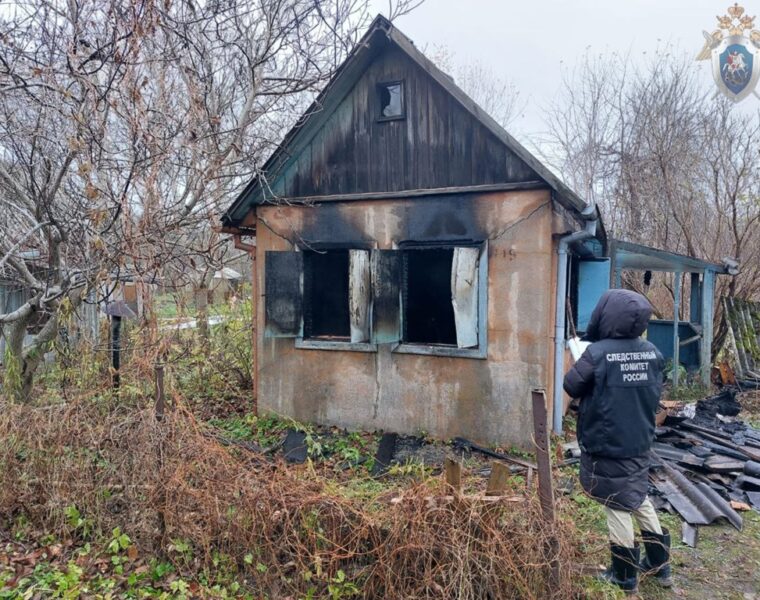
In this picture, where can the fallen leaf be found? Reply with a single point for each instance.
(132, 552)
(28, 558)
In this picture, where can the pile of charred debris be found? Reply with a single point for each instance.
(706, 463)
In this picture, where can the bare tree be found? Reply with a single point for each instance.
(670, 163)
(61, 69)
(126, 127)
(497, 96)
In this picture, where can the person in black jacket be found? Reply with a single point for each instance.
(618, 380)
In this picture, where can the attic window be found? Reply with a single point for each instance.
(391, 100)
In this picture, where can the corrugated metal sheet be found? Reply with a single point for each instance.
(696, 502)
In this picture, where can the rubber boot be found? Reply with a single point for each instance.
(624, 571)
(657, 559)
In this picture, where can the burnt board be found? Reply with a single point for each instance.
(436, 144)
(283, 302)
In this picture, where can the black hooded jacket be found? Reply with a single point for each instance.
(619, 380)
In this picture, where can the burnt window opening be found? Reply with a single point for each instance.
(441, 296)
(428, 312)
(326, 295)
(424, 299)
(391, 100)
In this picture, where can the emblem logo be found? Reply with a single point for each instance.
(735, 56)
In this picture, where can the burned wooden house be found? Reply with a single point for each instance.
(409, 254)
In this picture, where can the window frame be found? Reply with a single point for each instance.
(316, 343)
(379, 103)
(481, 351)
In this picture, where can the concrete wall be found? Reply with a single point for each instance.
(487, 400)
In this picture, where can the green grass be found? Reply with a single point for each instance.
(166, 306)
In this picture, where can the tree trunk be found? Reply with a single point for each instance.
(21, 363)
(13, 361)
(201, 309)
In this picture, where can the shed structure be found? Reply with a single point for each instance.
(688, 341)
(408, 257)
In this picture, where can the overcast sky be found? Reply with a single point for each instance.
(532, 43)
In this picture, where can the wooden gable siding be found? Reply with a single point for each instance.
(438, 144)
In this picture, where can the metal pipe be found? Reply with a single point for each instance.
(676, 323)
(241, 245)
(560, 312)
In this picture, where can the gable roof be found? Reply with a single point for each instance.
(380, 34)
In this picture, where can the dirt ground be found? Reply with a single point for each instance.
(725, 565)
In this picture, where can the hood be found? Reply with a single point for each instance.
(619, 314)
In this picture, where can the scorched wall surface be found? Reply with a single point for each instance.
(487, 400)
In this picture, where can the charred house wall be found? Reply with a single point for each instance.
(486, 399)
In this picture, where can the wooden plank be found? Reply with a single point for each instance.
(497, 482)
(489, 500)
(453, 473)
(414, 155)
(421, 192)
(160, 402)
(464, 295)
(386, 276)
(283, 303)
(359, 294)
(541, 441)
(361, 100)
(473, 498)
(545, 491)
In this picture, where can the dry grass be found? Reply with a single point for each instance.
(163, 481)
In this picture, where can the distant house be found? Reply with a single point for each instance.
(410, 256)
(15, 292)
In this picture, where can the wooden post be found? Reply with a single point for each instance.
(497, 482)
(541, 441)
(705, 351)
(116, 349)
(545, 490)
(676, 311)
(453, 472)
(160, 402)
